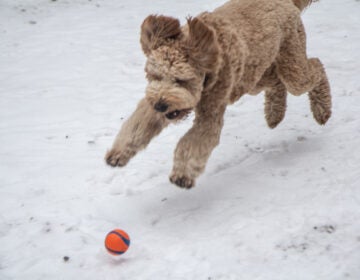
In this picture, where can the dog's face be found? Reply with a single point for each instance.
(174, 86)
(177, 63)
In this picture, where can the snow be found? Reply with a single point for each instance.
(272, 204)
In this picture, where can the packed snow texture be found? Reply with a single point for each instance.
(272, 204)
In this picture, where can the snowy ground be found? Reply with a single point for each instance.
(272, 204)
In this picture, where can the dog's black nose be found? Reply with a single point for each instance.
(161, 106)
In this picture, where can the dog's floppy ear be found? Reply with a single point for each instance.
(201, 45)
(155, 30)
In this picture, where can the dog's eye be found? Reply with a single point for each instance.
(180, 82)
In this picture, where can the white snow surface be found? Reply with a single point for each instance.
(271, 205)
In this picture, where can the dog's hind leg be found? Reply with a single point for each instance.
(300, 74)
(320, 100)
(135, 134)
(275, 96)
(275, 104)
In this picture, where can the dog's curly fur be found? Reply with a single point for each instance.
(244, 46)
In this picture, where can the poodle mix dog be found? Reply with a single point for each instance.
(244, 46)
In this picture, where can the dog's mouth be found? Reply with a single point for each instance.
(178, 114)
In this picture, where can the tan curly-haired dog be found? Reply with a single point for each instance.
(244, 46)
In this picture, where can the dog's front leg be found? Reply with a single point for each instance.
(135, 134)
(195, 147)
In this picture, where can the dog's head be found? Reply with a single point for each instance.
(178, 60)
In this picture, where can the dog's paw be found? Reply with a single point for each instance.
(273, 120)
(321, 111)
(275, 106)
(182, 181)
(320, 102)
(117, 158)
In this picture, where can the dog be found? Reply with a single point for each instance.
(242, 47)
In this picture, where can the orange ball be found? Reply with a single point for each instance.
(117, 242)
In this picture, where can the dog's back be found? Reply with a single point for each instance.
(261, 25)
(259, 21)
(271, 42)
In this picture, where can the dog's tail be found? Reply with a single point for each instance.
(302, 4)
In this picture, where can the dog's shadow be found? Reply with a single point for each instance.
(254, 180)
(271, 155)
